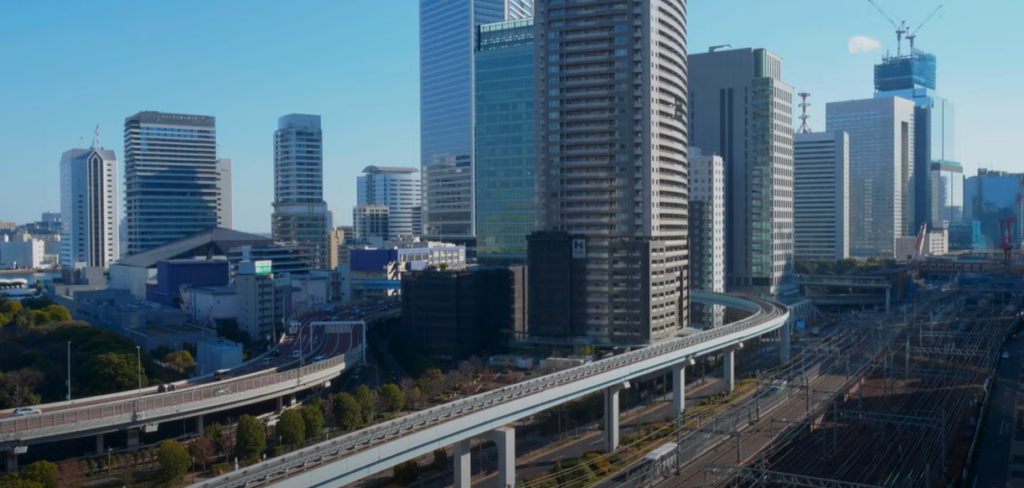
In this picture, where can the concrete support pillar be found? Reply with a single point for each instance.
(611, 416)
(462, 472)
(505, 439)
(679, 389)
(784, 355)
(199, 425)
(12, 461)
(887, 301)
(133, 439)
(99, 444)
(280, 405)
(729, 368)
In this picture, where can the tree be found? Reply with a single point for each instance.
(55, 313)
(24, 318)
(291, 428)
(118, 370)
(825, 268)
(250, 438)
(365, 398)
(394, 401)
(440, 460)
(180, 360)
(9, 307)
(174, 461)
(216, 435)
(313, 419)
(410, 392)
(203, 449)
(42, 472)
(347, 412)
(17, 387)
(14, 481)
(70, 473)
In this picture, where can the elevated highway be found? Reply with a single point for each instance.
(362, 453)
(338, 337)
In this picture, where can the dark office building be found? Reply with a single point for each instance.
(454, 314)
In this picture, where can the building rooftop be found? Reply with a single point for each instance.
(215, 241)
(389, 169)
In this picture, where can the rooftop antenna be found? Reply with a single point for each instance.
(901, 28)
(804, 129)
(911, 35)
(96, 138)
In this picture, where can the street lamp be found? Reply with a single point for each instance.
(138, 352)
(69, 371)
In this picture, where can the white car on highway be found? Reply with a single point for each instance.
(27, 411)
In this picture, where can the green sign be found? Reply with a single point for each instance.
(264, 267)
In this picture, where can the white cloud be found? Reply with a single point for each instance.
(862, 44)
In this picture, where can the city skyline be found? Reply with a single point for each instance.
(371, 114)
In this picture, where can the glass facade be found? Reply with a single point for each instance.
(992, 196)
(447, 31)
(916, 70)
(936, 196)
(171, 180)
(504, 141)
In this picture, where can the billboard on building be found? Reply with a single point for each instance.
(264, 267)
(579, 248)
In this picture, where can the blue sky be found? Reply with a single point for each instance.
(68, 65)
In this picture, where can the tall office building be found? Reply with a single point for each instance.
(938, 178)
(821, 196)
(399, 189)
(742, 110)
(991, 196)
(224, 209)
(447, 32)
(88, 208)
(171, 180)
(370, 223)
(707, 233)
(881, 134)
(505, 168)
(300, 215)
(610, 259)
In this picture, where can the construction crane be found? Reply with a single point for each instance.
(912, 34)
(901, 28)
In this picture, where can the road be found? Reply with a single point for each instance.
(992, 461)
(272, 364)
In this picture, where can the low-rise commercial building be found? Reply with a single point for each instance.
(456, 313)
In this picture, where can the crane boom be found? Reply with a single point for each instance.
(912, 34)
(901, 28)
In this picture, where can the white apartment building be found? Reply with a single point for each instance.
(821, 196)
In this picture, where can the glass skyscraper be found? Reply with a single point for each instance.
(741, 110)
(505, 167)
(447, 42)
(881, 134)
(171, 177)
(936, 188)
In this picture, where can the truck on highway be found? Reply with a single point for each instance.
(293, 327)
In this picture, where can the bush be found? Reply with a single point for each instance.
(347, 412)
(599, 462)
(280, 450)
(219, 468)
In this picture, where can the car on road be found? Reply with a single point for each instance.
(1006, 355)
(26, 411)
(318, 358)
(271, 420)
(220, 374)
(295, 354)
